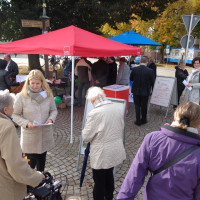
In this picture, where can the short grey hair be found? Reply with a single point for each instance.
(152, 60)
(8, 55)
(6, 99)
(95, 94)
(144, 59)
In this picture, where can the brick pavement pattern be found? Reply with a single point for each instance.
(62, 160)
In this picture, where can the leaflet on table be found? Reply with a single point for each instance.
(35, 123)
(186, 83)
(21, 78)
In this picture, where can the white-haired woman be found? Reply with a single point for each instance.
(35, 103)
(103, 129)
(15, 173)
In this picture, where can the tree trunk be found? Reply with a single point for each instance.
(33, 61)
(162, 53)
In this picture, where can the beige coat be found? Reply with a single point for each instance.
(15, 173)
(38, 140)
(104, 130)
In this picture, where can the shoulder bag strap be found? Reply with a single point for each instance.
(176, 159)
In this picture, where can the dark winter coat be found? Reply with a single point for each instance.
(143, 80)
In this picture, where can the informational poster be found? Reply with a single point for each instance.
(162, 91)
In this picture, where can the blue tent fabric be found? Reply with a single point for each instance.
(134, 38)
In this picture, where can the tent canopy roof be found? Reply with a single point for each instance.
(134, 38)
(69, 41)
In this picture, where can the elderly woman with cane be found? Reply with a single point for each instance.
(104, 129)
(15, 173)
(172, 156)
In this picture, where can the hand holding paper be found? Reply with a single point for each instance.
(35, 123)
(186, 83)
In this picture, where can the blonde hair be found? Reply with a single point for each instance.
(189, 111)
(95, 94)
(36, 74)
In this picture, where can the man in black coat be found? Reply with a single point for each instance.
(112, 74)
(143, 81)
(181, 74)
(11, 67)
(100, 73)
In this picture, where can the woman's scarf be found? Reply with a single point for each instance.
(193, 73)
(39, 96)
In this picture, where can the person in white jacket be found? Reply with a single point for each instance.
(104, 129)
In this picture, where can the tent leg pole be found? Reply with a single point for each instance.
(72, 101)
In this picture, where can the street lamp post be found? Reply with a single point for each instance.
(44, 18)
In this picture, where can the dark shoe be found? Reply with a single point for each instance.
(137, 123)
(143, 121)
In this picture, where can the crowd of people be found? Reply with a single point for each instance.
(170, 154)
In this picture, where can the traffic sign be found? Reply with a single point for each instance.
(184, 40)
(157, 49)
(167, 49)
(186, 20)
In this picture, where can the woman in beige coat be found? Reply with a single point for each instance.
(15, 173)
(103, 129)
(35, 104)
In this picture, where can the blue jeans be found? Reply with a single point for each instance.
(82, 85)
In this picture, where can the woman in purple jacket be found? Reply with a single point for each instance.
(180, 181)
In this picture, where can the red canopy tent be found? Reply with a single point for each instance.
(70, 41)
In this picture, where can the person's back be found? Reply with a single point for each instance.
(3, 84)
(180, 180)
(108, 137)
(112, 75)
(143, 80)
(100, 73)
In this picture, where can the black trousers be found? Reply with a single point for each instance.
(103, 184)
(140, 107)
(37, 160)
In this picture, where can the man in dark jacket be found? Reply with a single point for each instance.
(181, 75)
(11, 67)
(143, 80)
(112, 75)
(5, 82)
(153, 66)
(100, 73)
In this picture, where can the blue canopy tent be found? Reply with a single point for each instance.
(134, 38)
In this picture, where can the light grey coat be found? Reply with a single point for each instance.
(104, 130)
(37, 140)
(123, 74)
(193, 95)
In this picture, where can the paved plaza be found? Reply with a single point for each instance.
(62, 160)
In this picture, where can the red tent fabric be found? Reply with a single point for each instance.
(70, 41)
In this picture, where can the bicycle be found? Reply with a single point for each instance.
(46, 190)
(53, 63)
